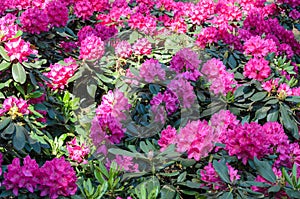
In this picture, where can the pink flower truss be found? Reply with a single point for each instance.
(18, 177)
(197, 138)
(271, 85)
(145, 24)
(57, 177)
(259, 47)
(142, 47)
(8, 28)
(183, 90)
(57, 12)
(213, 180)
(85, 32)
(150, 69)
(13, 105)
(221, 80)
(186, 63)
(257, 68)
(125, 163)
(77, 153)
(114, 103)
(167, 99)
(208, 35)
(18, 49)
(123, 49)
(83, 9)
(246, 141)
(60, 74)
(34, 20)
(92, 47)
(167, 137)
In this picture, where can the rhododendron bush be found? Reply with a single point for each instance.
(149, 99)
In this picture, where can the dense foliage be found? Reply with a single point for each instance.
(149, 99)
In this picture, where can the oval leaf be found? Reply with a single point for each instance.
(19, 73)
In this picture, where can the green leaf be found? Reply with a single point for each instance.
(288, 123)
(295, 99)
(4, 65)
(232, 62)
(8, 132)
(222, 170)
(168, 192)
(4, 123)
(91, 89)
(258, 96)
(182, 177)
(273, 115)
(19, 73)
(226, 195)
(287, 177)
(265, 170)
(274, 189)
(19, 140)
(104, 78)
(4, 54)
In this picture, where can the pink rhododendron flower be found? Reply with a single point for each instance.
(283, 91)
(92, 47)
(257, 68)
(208, 35)
(57, 177)
(59, 74)
(125, 163)
(183, 90)
(83, 9)
(213, 180)
(34, 20)
(197, 138)
(167, 99)
(57, 12)
(151, 69)
(142, 47)
(221, 80)
(186, 64)
(167, 137)
(123, 49)
(18, 177)
(259, 47)
(77, 153)
(145, 24)
(14, 107)
(18, 49)
(271, 85)
(8, 28)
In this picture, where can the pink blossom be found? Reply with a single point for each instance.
(221, 80)
(186, 63)
(25, 176)
(123, 49)
(125, 163)
(14, 107)
(83, 9)
(8, 28)
(208, 35)
(167, 137)
(57, 12)
(77, 153)
(18, 49)
(183, 90)
(34, 20)
(197, 138)
(145, 24)
(294, 14)
(257, 68)
(284, 90)
(271, 85)
(57, 177)
(59, 74)
(259, 47)
(92, 48)
(151, 69)
(142, 47)
(213, 180)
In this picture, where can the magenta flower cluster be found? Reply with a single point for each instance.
(55, 178)
(77, 153)
(60, 73)
(220, 79)
(18, 49)
(186, 64)
(106, 126)
(14, 107)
